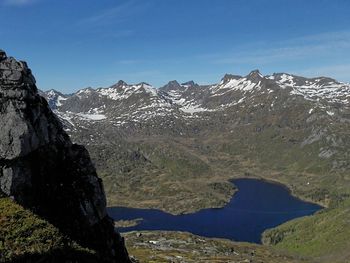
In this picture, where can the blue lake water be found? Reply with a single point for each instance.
(257, 206)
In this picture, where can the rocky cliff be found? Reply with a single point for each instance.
(44, 171)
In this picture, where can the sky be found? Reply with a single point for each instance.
(74, 44)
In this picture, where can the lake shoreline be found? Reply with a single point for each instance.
(228, 200)
(258, 205)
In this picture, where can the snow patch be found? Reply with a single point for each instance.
(330, 113)
(93, 117)
(193, 109)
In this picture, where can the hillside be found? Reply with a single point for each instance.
(24, 237)
(323, 236)
(182, 143)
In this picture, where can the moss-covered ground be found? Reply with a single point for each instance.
(24, 237)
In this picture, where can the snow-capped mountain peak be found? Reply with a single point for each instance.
(54, 98)
(124, 103)
(255, 76)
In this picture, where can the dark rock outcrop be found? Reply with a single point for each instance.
(43, 170)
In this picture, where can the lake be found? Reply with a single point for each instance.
(257, 206)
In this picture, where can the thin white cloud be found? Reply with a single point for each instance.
(318, 46)
(338, 72)
(116, 14)
(321, 37)
(17, 2)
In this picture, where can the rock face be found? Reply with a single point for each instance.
(44, 171)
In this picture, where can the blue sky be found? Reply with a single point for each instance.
(72, 44)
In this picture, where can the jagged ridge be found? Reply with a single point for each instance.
(123, 103)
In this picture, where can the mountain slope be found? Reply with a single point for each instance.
(27, 238)
(323, 236)
(281, 127)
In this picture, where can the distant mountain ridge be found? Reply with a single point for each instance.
(139, 102)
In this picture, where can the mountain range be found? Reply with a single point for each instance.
(175, 144)
(126, 105)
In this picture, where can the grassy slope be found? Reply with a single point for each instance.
(172, 179)
(324, 236)
(186, 174)
(162, 246)
(24, 237)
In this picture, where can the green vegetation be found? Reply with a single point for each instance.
(324, 236)
(24, 237)
(176, 247)
(127, 223)
(182, 175)
(169, 178)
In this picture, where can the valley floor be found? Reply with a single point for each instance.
(322, 237)
(161, 246)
